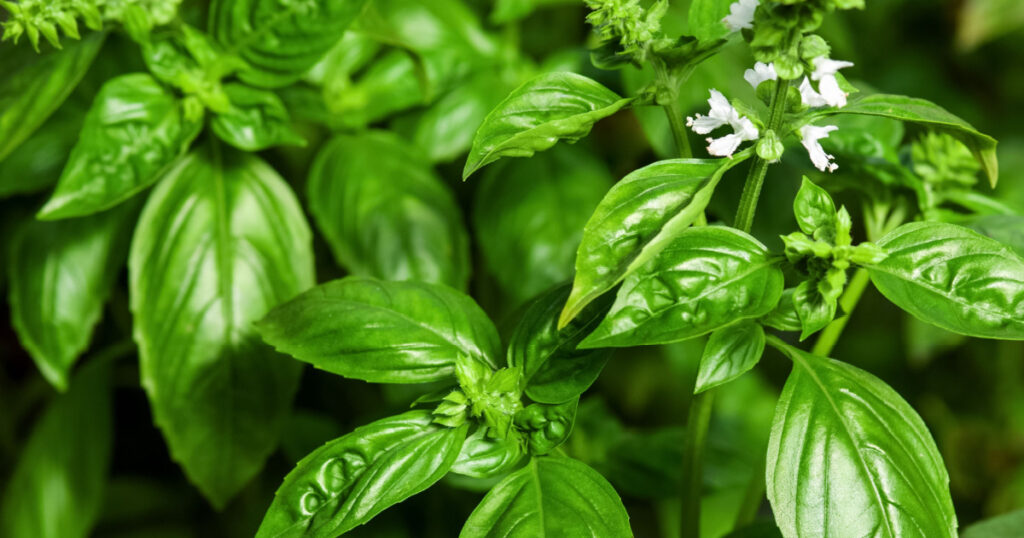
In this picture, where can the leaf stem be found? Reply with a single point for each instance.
(830, 335)
(693, 455)
(753, 496)
(671, 104)
(759, 168)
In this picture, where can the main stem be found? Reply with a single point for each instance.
(830, 335)
(671, 107)
(693, 456)
(755, 178)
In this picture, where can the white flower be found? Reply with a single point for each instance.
(760, 73)
(741, 15)
(722, 113)
(828, 93)
(809, 135)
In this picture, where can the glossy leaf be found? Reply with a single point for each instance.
(351, 479)
(57, 487)
(535, 116)
(34, 85)
(529, 216)
(483, 456)
(784, 317)
(546, 426)
(553, 369)
(706, 19)
(37, 163)
(707, 278)
(132, 134)
(730, 352)
(849, 457)
(221, 240)
(61, 275)
(256, 120)
(954, 278)
(637, 218)
(815, 212)
(551, 496)
(385, 213)
(383, 332)
(814, 310)
(280, 40)
(928, 114)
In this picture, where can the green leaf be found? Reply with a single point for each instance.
(707, 278)
(553, 370)
(814, 310)
(257, 120)
(785, 316)
(483, 456)
(383, 332)
(638, 217)
(511, 10)
(61, 275)
(280, 40)
(954, 278)
(535, 116)
(351, 479)
(706, 19)
(57, 487)
(34, 85)
(928, 114)
(815, 212)
(1001, 526)
(385, 213)
(37, 163)
(1007, 229)
(221, 240)
(730, 352)
(529, 216)
(551, 496)
(131, 135)
(849, 457)
(546, 426)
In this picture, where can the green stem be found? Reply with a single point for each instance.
(671, 106)
(755, 178)
(752, 497)
(828, 338)
(693, 455)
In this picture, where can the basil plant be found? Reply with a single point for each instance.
(285, 182)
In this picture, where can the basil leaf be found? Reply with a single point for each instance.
(814, 310)
(706, 19)
(1001, 526)
(256, 120)
(385, 213)
(954, 278)
(61, 275)
(707, 278)
(730, 352)
(221, 240)
(815, 212)
(351, 479)
(529, 215)
(551, 496)
(1007, 229)
(34, 85)
(848, 456)
(641, 214)
(928, 114)
(511, 10)
(39, 159)
(546, 426)
(544, 110)
(483, 456)
(57, 487)
(383, 332)
(552, 369)
(279, 40)
(785, 316)
(131, 135)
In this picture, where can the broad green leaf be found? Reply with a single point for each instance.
(256, 120)
(384, 332)
(61, 275)
(849, 457)
(815, 212)
(1002, 526)
(927, 114)
(707, 278)
(34, 85)
(535, 116)
(638, 217)
(430, 28)
(954, 278)
(483, 456)
(56, 489)
(706, 19)
(551, 496)
(131, 135)
(385, 213)
(529, 216)
(37, 163)
(389, 85)
(1007, 229)
(730, 352)
(814, 310)
(553, 370)
(280, 40)
(221, 240)
(351, 479)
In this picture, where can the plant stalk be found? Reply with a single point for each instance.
(671, 105)
(755, 178)
(830, 335)
(693, 456)
(753, 496)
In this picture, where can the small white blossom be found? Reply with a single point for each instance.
(722, 113)
(760, 73)
(810, 135)
(809, 96)
(741, 15)
(828, 92)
